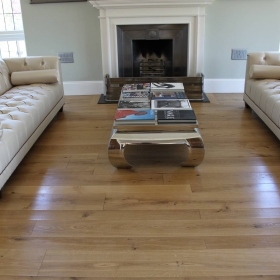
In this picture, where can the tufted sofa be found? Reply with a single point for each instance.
(31, 94)
(262, 87)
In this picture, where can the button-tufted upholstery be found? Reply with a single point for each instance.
(5, 83)
(263, 95)
(25, 110)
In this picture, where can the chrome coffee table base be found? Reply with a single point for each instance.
(119, 141)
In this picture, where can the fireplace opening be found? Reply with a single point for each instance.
(152, 58)
(152, 50)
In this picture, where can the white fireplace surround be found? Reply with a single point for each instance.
(125, 12)
(135, 12)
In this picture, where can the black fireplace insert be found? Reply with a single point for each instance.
(152, 50)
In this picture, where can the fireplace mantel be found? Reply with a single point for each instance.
(113, 4)
(113, 13)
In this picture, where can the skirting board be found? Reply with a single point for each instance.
(210, 86)
(83, 87)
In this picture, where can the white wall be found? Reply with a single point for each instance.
(238, 24)
(65, 27)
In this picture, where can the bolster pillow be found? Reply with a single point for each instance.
(34, 77)
(264, 72)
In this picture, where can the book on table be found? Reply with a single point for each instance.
(133, 104)
(135, 117)
(136, 87)
(176, 104)
(168, 95)
(136, 96)
(176, 116)
(167, 87)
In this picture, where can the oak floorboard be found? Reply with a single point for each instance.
(95, 189)
(14, 227)
(149, 263)
(97, 215)
(242, 242)
(66, 213)
(228, 213)
(255, 277)
(68, 178)
(157, 228)
(104, 243)
(54, 202)
(21, 262)
(198, 200)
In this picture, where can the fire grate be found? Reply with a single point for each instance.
(152, 67)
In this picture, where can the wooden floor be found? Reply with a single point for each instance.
(66, 213)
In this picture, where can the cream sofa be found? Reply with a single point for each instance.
(31, 94)
(262, 87)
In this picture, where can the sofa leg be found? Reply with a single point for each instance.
(246, 105)
(0, 194)
(61, 109)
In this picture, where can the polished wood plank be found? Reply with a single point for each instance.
(69, 178)
(199, 200)
(156, 228)
(14, 227)
(104, 243)
(53, 202)
(257, 277)
(241, 242)
(95, 189)
(21, 262)
(149, 263)
(98, 215)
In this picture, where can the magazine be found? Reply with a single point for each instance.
(138, 95)
(135, 117)
(136, 87)
(176, 116)
(123, 104)
(176, 104)
(167, 87)
(169, 95)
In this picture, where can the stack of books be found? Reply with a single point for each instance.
(151, 103)
(171, 103)
(134, 106)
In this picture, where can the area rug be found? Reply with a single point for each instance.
(102, 100)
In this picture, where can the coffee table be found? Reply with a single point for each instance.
(168, 134)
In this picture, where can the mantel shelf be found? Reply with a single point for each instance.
(115, 4)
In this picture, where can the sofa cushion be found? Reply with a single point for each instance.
(266, 95)
(22, 110)
(4, 77)
(48, 76)
(264, 72)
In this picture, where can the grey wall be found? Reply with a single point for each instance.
(65, 27)
(250, 24)
(242, 24)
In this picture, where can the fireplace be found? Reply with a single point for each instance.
(116, 14)
(158, 50)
